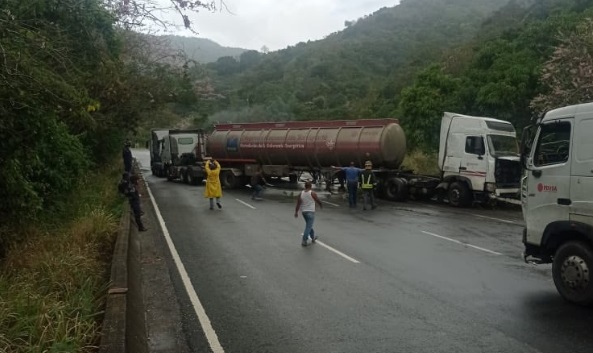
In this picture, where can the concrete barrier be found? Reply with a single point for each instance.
(113, 333)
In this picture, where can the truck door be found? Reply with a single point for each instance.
(548, 181)
(581, 187)
(474, 165)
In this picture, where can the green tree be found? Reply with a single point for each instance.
(423, 104)
(568, 75)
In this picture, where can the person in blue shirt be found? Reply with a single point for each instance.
(352, 174)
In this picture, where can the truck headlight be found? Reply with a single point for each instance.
(490, 187)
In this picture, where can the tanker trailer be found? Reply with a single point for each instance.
(284, 149)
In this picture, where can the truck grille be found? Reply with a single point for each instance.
(507, 173)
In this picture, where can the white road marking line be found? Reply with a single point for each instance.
(351, 259)
(246, 204)
(329, 203)
(462, 243)
(496, 219)
(193, 296)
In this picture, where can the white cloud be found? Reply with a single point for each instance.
(277, 24)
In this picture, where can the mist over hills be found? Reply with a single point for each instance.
(202, 50)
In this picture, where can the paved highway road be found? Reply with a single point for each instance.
(406, 277)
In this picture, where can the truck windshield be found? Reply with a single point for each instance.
(503, 145)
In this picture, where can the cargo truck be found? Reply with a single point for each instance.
(478, 157)
(557, 198)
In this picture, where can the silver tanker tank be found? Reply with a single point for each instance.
(314, 144)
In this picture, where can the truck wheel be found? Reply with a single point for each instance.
(571, 270)
(229, 180)
(459, 195)
(169, 174)
(293, 178)
(396, 189)
(184, 176)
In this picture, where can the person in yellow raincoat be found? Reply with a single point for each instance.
(213, 189)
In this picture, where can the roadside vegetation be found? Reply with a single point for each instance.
(54, 280)
(75, 82)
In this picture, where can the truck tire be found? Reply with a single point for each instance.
(571, 270)
(190, 178)
(184, 177)
(459, 195)
(396, 189)
(169, 174)
(229, 180)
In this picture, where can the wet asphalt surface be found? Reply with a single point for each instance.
(406, 277)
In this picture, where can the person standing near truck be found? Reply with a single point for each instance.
(351, 174)
(306, 204)
(129, 187)
(127, 156)
(368, 181)
(257, 182)
(213, 188)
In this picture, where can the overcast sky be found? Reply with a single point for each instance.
(277, 23)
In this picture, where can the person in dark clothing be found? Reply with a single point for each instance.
(352, 173)
(129, 187)
(257, 182)
(368, 182)
(127, 157)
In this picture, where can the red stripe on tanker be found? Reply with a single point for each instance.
(311, 143)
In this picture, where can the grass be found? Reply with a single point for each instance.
(53, 283)
(422, 163)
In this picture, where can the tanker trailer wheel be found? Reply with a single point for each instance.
(571, 271)
(396, 189)
(191, 179)
(459, 195)
(229, 180)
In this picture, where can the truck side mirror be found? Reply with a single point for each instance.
(525, 147)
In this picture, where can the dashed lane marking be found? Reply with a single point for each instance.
(351, 259)
(246, 204)
(462, 243)
(497, 219)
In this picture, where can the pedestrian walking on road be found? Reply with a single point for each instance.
(127, 156)
(257, 182)
(351, 174)
(213, 189)
(368, 182)
(306, 204)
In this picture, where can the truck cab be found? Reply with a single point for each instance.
(478, 159)
(179, 157)
(557, 198)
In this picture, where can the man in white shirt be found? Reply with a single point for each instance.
(306, 204)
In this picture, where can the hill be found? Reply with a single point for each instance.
(357, 72)
(202, 50)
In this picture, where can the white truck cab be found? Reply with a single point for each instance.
(478, 159)
(557, 198)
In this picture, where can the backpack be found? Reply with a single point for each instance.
(122, 187)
